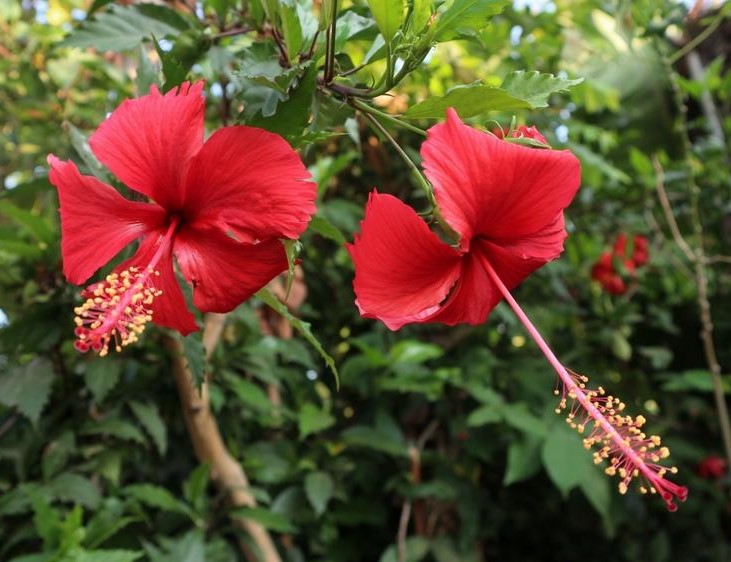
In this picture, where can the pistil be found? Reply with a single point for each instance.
(118, 309)
(618, 438)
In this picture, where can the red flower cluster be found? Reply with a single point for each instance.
(219, 207)
(614, 268)
(712, 468)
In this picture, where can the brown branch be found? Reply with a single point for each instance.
(668, 211)
(208, 444)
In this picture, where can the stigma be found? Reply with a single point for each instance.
(116, 310)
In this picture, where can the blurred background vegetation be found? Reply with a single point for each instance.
(441, 444)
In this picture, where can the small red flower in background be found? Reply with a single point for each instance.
(505, 201)
(613, 269)
(219, 207)
(712, 468)
(522, 132)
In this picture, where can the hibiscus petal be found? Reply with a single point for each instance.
(96, 221)
(484, 185)
(224, 272)
(514, 260)
(472, 299)
(403, 271)
(169, 309)
(250, 182)
(148, 142)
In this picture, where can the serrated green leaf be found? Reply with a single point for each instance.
(80, 143)
(535, 87)
(462, 17)
(565, 459)
(194, 487)
(149, 416)
(524, 460)
(389, 15)
(27, 387)
(75, 488)
(172, 68)
(124, 27)
(251, 394)
(120, 429)
(101, 375)
(291, 29)
(266, 518)
(328, 230)
(108, 556)
(312, 419)
(467, 101)
(195, 355)
(158, 497)
(302, 327)
(319, 487)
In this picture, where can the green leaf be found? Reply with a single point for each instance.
(463, 17)
(414, 351)
(149, 416)
(158, 497)
(291, 29)
(146, 73)
(194, 487)
(518, 416)
(328, 230)
(694, 380)
(389, 14)
(125, 27)
(120, 429)
(597, 489)
(467, 101)
(266, 518)
(108, 556)
(485, 415)
(524, 460)
(172, 68)
(81, 144)
(312, 419)
(535, 87)
(101, 375)
(36, 226)
(302, 327)
(416, 550)
(565, 459)
(195, 356)
(250, 393)
(27, 387)
(75, 488)
(375, 438)
(319, 488)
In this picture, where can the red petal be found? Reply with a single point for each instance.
(251, 182)
(403, 271)
(514, 260)
(96, 221)
(148, 142)
(473, 298)
(487, 186)
(224, 272)
(169, 309)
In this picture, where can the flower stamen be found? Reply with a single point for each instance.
(115, 311)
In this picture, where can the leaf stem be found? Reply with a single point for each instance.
(364, 107)
(330, 44)
(423, 183)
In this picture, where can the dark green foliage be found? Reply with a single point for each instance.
(455, 426)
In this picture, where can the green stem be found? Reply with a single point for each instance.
(330, 44)
(365, 108)
(698, 39)
(405, 157)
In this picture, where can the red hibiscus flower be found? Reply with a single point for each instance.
(218, 207)
(505, 202)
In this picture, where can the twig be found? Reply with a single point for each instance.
(668, 210)
(403, 526)
(719, 259)
(330, 44)
(698, 39)
(208, 444)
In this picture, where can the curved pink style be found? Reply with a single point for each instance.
(218, 207)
